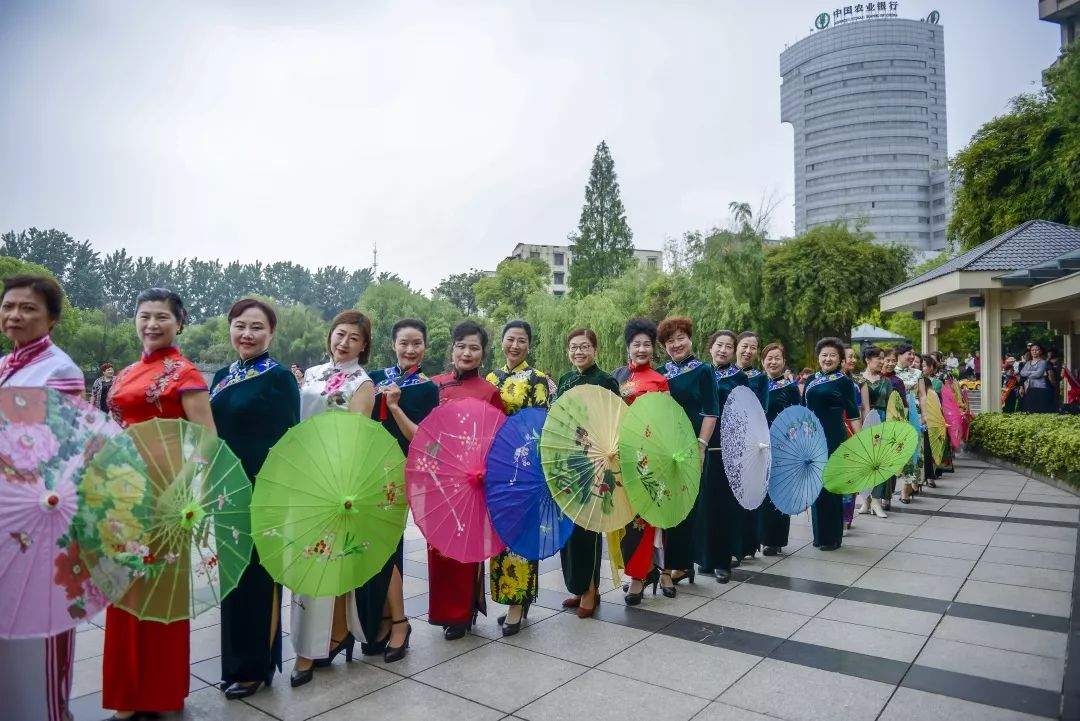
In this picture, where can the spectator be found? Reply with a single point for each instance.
(99, 392)
(952, 364)
(1038, 393)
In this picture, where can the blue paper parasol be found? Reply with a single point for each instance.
(916, 423)
(799, 454)
(522, 510)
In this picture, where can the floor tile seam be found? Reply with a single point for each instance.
(595, 667)
(267, 713)
(423, 683)
(1011, 502)
(1016, 585)
(985, 695)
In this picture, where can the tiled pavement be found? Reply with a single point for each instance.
(957, 606)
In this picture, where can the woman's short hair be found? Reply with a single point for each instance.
(44, 286)
(747, 334)
(872, 351)
(361, 321)
(467, 328)
(106, 366)
(891, 353)
(587, 332)
(638, 326)
(1037, 344)
(670, 326)
(829, 342)
(518, 323)
(902, 348)
(771, 347)
(719, 334)
(414, 323)
(246, 304)
(929, 360)
(164, 295)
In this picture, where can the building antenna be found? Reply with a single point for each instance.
(375, 259)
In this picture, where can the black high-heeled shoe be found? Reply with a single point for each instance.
(687, 576)
(396, 653)
(299, 678)
(345, 644)
(668, 591)
(374, 648)
(239, 690)
(509, 629)
(633, 599)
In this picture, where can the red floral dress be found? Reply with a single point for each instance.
(146, 663)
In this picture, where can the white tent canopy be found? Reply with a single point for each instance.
(867, 333)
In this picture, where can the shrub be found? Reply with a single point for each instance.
(1047, 443)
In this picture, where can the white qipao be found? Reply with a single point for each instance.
(326, 386)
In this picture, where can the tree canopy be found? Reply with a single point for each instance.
(1025, 164)
(603, 244)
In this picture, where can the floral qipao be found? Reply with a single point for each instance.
(514, 579)
(330, 385)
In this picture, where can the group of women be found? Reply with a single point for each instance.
(253, 402)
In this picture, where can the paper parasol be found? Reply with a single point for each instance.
(445, 475)
(164, 520)
(745, 447)
(661, 463)
(46, 439)
(799, 454)
(870, 457)
(525, 515)
(579, 450)
(329, 504)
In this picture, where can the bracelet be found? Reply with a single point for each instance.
(702, 442)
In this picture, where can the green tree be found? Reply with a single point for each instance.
(459, 289)
(300, 336)
(102, 336)
(603, 244)
(819, 283)
(1025, 164)
(504, 295)
(386, 302)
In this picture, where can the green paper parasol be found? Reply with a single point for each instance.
(579, 450)
(661, 465)
(329, 505)
(163, 522)
(870, 457)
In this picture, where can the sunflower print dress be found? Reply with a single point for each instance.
(514, 579)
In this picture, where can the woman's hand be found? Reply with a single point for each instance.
(392, 394)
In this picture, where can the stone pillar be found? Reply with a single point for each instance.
(989, 318)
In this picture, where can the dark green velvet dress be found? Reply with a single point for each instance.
(583, 550)
(830, 397)
(718, 517)
(691, 384)
(419, 396)
(254, 403)
(773, 524)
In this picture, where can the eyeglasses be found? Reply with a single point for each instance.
(580, 348)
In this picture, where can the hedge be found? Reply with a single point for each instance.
(1045, 442)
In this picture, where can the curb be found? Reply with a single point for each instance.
(1023, 471)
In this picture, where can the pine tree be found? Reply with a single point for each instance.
(603, 245)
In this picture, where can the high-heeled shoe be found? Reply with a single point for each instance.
(509, 629)
(239, 690)
(345, 644)
(374, 648)
(572, 602)
(458, 630)
(583, 612)
(396, 653)
(668, 591)
(299, 678)
(633, 599)
(687, 576)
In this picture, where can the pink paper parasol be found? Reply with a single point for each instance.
(954, 418)
(444, 479)
(46, 439)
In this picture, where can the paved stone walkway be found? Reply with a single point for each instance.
(955, 607)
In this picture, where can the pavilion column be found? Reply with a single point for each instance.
(930, 330)
(989, 318)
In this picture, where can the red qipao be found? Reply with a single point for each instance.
(146, 662)
(456, 590)
(637, 545)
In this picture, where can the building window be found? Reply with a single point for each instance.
(557, 278)
(651, 261)
(558, 293)
(559, 258)
(534, 254)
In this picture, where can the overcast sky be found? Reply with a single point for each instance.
(445, 131)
